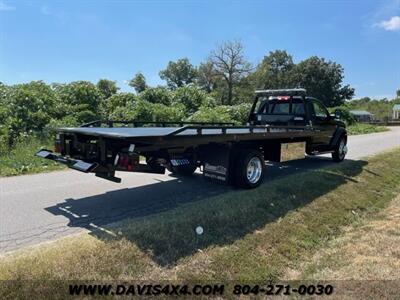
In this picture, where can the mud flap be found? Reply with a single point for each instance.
(216, 163)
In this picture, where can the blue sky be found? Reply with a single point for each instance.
(62, 41)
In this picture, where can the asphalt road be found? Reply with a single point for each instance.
(43, 207)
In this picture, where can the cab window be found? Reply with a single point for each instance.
(278, 108)
(281, 107)
(298, 109)
(319, 110)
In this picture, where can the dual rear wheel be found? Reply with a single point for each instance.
(247, 170)
(185, 170)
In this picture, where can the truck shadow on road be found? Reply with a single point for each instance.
(161, 218)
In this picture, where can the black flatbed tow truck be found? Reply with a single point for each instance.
(223, 151)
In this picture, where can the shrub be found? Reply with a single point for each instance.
(156, 95)
(152, 112)
(25, 108)
(344, 114)
(192, 97)
(68, 121)
(81, 99)
(239, 113)
(113, 106)
(211, 114)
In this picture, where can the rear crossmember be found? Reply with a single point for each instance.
(99, 170)
(76, 164)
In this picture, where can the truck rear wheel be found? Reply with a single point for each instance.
(154, 165)
(249, 169)
(340, 150)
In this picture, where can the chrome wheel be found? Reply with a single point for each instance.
(254, 170)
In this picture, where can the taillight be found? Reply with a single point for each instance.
(57, 146)
(126, 161)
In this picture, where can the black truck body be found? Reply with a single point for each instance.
(223, 151)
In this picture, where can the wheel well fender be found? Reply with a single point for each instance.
(339, 132)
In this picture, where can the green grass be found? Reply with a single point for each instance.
(21, 160)
(249, 235)
(372, 243)
(361, 128)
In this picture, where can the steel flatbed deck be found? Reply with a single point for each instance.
(148, 138)
(195, 131)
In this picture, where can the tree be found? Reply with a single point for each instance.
(111, 104)
(80, 99)
(344, 114)
(229, 63)
(138, 82)
(157, 95)
(206, 76)
(275, 71)
(179, 73)
(192, 97)
(207, 114)
(323, 80)
(5, 115)
(157, 112)
(107, 87)
(398, 93)
(26, 107)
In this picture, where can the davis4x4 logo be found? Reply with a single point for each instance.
(146, 289)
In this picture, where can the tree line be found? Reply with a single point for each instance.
(381, 109)
(219, 89)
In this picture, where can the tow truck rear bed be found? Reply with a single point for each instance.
(94, 149)
(194, 135)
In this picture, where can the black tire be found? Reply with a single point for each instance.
(243, 178)
(154, 165)
(340, 150)
(309, 150)
(184, 170)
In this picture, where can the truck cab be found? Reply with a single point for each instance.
(292, 107)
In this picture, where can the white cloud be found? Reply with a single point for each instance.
(4, 7)
(393, 24)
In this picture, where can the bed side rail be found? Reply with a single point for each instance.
(133, 123)
(247, 129)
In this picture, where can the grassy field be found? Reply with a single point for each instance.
(252, 235)
(367, 251)
(361, 128)
(21, 159)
